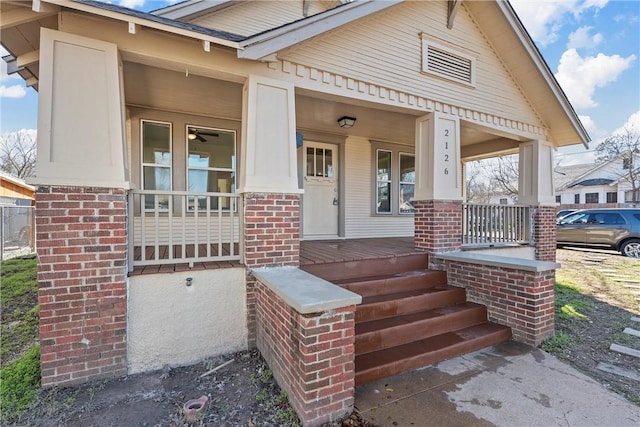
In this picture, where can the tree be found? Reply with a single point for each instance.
(504, 175)
(478, 187)
(624, 146)
(18, 153)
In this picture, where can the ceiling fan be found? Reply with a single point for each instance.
(199, 135)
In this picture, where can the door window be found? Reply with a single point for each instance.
(156, 161)
(320, 162)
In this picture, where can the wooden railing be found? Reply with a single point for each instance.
(173, 227)
(496, 224)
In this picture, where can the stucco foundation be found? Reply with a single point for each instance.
(172, 323)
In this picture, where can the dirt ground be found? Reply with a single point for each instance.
(244, 393)
(610, 284)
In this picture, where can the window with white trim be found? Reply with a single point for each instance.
(156, 160)
(383, 182)
(591, 198)
(211, 164)
(612, 197)
(395, 175)
(407, 183)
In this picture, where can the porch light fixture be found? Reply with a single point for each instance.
(346, 122)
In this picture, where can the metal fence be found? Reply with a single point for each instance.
(17, 231)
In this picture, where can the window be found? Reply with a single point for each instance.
(504, 201)
(612, 197)
(407, 182)
(211, 164)
(628, 196)
(156, 161)
(319, 162)
(576, 199)
(558, 199)
(605, 218)
(395, 181)
(591, 198)
(383, 199)
(626, 163)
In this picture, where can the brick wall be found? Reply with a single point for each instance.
(312, 356)
(544, 232)
(520, 299)
(271, 230)
(438, 227)
(81, 245)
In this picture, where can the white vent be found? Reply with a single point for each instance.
(444, 63)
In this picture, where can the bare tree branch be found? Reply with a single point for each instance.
(624, 146)
(18, 153)
(504, 175)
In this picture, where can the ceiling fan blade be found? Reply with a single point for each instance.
(209, 133)
(200, 138)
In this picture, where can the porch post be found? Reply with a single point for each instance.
(81, 210)
(535, 188)
(269, 175)
(438, 192)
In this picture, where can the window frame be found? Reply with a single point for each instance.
(587, 195)
(614, 198)
(395, 183)
(232, 170)
(401, 182)
(144, 164)
(576, 198)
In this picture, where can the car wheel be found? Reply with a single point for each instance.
(631, 248)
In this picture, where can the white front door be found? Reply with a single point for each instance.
(320, 202)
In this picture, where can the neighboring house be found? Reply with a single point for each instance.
(16, 213)
(502, 199)
(238, 134)
(594, 185)
(15, 191)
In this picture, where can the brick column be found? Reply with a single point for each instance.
(438, 226)
(311, 356)
(271, 230)
(82, 258)
(544, 232)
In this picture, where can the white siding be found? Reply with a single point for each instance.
(359, 220)
(249, 18)
(385, 49)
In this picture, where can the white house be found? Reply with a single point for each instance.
(192, 159)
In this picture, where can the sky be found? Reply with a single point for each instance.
(591, 46)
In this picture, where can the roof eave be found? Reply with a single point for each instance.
(267, 43)
(542, 66)
(121, 16)
(188, 8)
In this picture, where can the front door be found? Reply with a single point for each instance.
(320, 202)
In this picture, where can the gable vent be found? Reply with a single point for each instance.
(448, 65)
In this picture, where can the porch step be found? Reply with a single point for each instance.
(396, 360)
(412, 301)
(394, 282)
(342, 271)
(398, 330)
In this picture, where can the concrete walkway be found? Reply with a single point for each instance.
(509, 384)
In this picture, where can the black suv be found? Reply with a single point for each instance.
(605, 228)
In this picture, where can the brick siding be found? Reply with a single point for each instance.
(272, 230)
(312, 356)
(522, 300)
(82, 257)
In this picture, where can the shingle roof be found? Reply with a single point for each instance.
(563, 175)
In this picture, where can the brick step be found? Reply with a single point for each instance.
(394, 282)
(368, 267)
(378, 334)
(388, 305)
(417, 354)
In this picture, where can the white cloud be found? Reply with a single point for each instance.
(633, 122)
(131, 4)
(15, 91)
(588, 124)
(544, 19)
(579, 77)
(581, 38)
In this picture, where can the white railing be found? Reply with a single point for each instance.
(496, 224)
(173, 227)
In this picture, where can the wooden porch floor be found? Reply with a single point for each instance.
(311, 252)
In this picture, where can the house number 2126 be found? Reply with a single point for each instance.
(446, 147)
